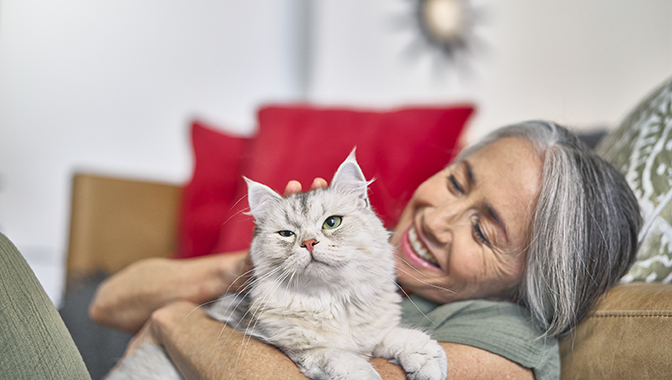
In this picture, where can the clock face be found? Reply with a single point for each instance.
(443, 22)
(446, 26)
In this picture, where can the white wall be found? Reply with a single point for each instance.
(110, 85)
(578, 62)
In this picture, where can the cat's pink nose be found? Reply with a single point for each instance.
(309, 245)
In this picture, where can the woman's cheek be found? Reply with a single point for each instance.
(465, 267)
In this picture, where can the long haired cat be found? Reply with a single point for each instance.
(324, 289)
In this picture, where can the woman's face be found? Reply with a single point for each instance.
(464, 232)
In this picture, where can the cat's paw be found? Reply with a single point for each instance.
(420, 356)
(425, 363)
(331, 364)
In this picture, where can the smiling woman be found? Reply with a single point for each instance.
(466, 228)
(529, 215)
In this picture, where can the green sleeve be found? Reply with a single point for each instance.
(34, 342)
(502, 328)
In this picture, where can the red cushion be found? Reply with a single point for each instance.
(398, 148)
(208, 196)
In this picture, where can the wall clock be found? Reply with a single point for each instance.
(446, 25)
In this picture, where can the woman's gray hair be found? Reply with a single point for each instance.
(584, 229)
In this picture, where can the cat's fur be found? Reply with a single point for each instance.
(329, 303)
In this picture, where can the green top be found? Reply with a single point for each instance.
(34, 342)
(502, 328)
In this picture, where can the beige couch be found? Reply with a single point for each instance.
(116, 221)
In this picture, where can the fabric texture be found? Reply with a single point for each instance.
(641, 147)
(101, 347)
(208, 195)
(626, 337)
(502, 328)
(397, 148)
(34, 342)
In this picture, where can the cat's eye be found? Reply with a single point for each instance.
(286, 233)
(332, 222)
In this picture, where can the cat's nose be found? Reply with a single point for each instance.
(309, 245)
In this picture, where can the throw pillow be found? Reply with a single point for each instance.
(208, 196)
(399, 149)
(641, 147)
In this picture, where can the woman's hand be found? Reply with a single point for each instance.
(203, 348)
(127, 299)
(163, 323)
(294, 187)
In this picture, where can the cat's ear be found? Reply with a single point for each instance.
(350, 178)
(260, 197)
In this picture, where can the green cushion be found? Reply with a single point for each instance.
(641, 147)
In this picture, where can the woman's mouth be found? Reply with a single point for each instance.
(416, 251)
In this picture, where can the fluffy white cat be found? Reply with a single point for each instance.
(323, 292)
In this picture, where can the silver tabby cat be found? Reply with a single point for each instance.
(324, 289)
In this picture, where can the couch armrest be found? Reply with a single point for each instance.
(627, 337)
(116, 221)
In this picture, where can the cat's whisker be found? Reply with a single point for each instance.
(278, 281)
(264, 303)
(414, 268)
(253, 280)
(248, 332)
(414, 304)
(291, 278)
(411, 266)
(248, 284)
(243, 211)
(235, 307)
(237, 304)
(247, 274)
(428, 284)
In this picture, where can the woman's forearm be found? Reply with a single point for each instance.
(202, 348)
(127, 299)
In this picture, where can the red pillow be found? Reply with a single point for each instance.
(210, 193)
(398, 148)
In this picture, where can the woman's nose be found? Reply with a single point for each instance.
(440, 220)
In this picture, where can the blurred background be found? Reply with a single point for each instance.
(110, 86)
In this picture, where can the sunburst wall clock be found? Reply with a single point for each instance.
(445, 27)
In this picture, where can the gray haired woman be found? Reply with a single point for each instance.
(501, 252)
(584, 229)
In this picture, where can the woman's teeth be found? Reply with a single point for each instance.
(418, 248)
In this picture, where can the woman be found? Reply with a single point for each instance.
(511, 243)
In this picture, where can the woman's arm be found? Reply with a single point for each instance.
(127, 299)
(203, 348)
(464, 362)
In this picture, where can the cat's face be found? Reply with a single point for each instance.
(326, 236)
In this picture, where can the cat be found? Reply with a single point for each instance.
(323, 289)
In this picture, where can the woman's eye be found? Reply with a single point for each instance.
(478, 232)
(454, 184)
(286, 233)
(332, 222)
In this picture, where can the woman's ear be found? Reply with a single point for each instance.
(349, 178)
(259, 197)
